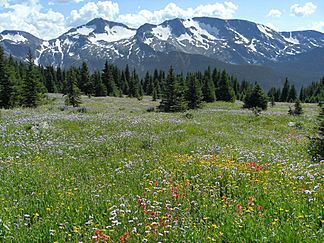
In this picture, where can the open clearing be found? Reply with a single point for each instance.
(116, 172)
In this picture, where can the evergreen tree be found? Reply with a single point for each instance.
(108, 80)
(236, 87)
(125, 86)
(225, 91)
(314, 92)
(173, 98)
(31, 87)
(157, 86)
(85, 82)
(148, 84)
(134, 86)
(278, 95)
(59, 79)
(301, 94)
(208, 87)
(195, 95)
(272, 92)
(215, 78)
(15, 83)
(73, 96)
(292, 94)
(5, 85)
(50, 79)
(298, 108)
(285, 92)
(127, 78)
(256, 99)
(99, 88)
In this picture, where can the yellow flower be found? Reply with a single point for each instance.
(215, 226)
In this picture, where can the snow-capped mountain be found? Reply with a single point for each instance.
(233, 41)
(223, 43)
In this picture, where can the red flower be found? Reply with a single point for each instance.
(259, 168)
(123, 238)
(239, 208)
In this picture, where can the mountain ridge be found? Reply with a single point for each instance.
(236, 43)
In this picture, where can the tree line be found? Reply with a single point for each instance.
(24, 84)
(314, 93)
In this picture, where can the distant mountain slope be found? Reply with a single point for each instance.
(246, 49)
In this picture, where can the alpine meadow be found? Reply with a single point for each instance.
(161, 122)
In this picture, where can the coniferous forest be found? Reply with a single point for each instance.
(24, 84)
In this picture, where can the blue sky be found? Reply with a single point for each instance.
(49, 19)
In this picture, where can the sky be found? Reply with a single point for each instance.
(49, 19)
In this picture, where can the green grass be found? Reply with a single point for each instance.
(119, 173)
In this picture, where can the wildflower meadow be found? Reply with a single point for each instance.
(115, 170)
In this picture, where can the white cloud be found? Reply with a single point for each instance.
(52, 2)
(275, 13)
(66, 1)
(222, 10)
(32, 17)
(308, 9)
(3, 3)
(29, 16)
(104, 9)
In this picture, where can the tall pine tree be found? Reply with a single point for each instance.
(256, 98)
(173, 98)
(31, 88)
(5, 85)
(285, 92)
(208, 87)
(292, 96)
(194, 95)
(86, 84)
(108, 80)
(73, 96)
(224, 90)
(99, 88)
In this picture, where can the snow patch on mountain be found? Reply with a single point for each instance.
(252, 45)
(199, 33)
(16, 38)
(291, 40)
(213, 31)
(68, 42)
(113, 34)
(148, 41)
(44, 46)
(162, 33)
(85, 30)
(239, 38)
(185, 37)
(265, 30)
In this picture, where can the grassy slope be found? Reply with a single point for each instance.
(223, 174)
